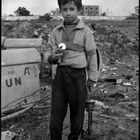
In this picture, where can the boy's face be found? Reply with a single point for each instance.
(69, 12)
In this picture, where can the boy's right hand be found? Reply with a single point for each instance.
(54, 58)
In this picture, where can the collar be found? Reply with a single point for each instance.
(80, 25)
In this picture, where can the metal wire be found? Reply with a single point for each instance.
(23, 98)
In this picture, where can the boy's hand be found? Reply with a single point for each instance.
(90, 85)
(54, 58)
(59, 55)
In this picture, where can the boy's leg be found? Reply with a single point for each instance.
(58, 108)
(77, 100)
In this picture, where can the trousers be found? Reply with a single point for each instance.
(68, 87)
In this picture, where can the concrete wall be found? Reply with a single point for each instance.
(7, 18)
(102, 17)
(96, 17)
(12, 18)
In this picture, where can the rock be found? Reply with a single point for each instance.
(127, 84)
(99, 105)
(8, 135)
(128, 77)
(117, 95)
(137, 71)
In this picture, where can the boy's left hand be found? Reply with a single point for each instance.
(90, 85)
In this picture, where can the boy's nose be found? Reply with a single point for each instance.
(68, 12)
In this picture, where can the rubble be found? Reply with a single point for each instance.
(116, 115)
(8, 135)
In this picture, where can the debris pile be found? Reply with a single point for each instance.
(115, 94)
(115, 43)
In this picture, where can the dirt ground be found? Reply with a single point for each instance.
(115, 116)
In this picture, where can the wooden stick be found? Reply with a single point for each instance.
(40, 107)
(15, 114)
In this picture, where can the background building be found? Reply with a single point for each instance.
(90, 10)
(87, 10)
(137, 10)
(55, 12)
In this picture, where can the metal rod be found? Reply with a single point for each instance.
(89, 120)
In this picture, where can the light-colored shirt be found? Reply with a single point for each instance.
(81, 47)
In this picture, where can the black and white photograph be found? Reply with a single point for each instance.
(70, 70)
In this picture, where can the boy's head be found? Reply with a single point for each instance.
(70, 9)
(78, 3)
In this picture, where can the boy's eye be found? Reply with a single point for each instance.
(71, 9)
(64, 9)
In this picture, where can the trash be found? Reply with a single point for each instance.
(114, 80)
(113, 69)
(121, 127)
(117, 95)
(119, 81)
(8, 135)
(99, 105)
(103, 69)
(128, 77)
(105, 91)
(130, 115)
(35, 34)
(137, 72)
(127, 84)
(108, 117)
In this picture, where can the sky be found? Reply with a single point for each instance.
(40, 7)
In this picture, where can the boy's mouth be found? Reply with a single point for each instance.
(69, 18)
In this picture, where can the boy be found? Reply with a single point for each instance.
(76, 69)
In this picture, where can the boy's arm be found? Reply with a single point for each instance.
(49, 55)
(90, 48)
(52, 41)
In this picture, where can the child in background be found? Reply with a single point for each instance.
(76, 70)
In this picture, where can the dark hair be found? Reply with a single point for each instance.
(78, 3)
